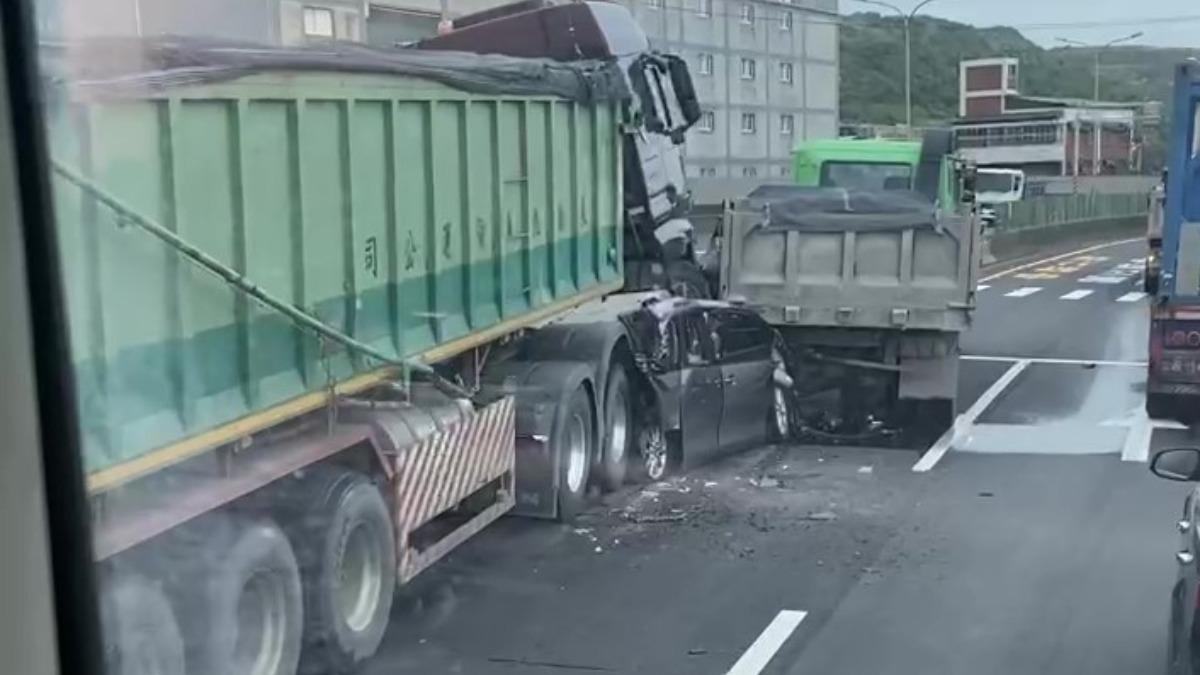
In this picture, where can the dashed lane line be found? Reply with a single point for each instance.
(1023, 291)
(982, 287)
(1131, 297)
(768, 643)
(964, 421)
(1077, 294)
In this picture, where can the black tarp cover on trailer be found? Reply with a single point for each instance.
(127, 66)
(840, 209)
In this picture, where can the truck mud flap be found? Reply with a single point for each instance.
(444, 469)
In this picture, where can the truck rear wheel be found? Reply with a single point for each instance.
(347, 553)
(572, 443)
(141, 636)
(614, 456)
(250, 611)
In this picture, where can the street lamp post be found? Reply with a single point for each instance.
(1099, 48)
(907, 17)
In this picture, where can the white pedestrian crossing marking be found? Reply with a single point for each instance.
(1131, 297)
(1022, 292)
(1102, 280)
(1078, 294)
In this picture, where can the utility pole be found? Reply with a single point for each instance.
(1099, 47)
(907, 18)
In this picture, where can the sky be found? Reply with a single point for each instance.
(1120, 18)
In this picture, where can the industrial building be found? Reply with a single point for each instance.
(1000, 127)
(765, 70)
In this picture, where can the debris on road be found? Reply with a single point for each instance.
(866, 469)
(821, 516)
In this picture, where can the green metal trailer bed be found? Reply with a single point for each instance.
(410, 215)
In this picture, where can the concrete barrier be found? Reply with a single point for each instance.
(1019, 243)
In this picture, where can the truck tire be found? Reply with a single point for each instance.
(346, 549)
(141, 636)
(246, 611)
(571, 442)
(1161, 406)
(614, 454)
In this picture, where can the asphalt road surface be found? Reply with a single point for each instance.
(1032, 541)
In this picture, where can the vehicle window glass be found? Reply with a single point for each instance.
(866, 176)
(743, 336)
(1196, 131)
(699, 348)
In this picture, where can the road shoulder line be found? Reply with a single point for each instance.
(760, 653)
(1042, 261)
(963, 422)
(1052, 361)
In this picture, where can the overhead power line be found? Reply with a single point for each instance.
(1103, 23)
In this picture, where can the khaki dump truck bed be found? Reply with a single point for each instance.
(825, 257)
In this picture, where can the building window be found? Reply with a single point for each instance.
(318, 22)
(785, 21)
(749, 69)
(707, 122)
(785, 171)
(708, 171)
(704, 8)
(786, 72)
(748, 13)
(705, 65)
(749, 172)
(654, 4)
(787, 124)
(749, 123)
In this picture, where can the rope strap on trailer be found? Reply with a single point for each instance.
(244, 285)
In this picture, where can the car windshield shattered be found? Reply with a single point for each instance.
(637, 336)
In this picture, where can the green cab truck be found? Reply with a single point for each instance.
(867, 266)
(324, 319)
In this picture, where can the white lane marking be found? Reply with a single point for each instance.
(1139, 430)
(982, 287)
(1059, 362)
(769, 641)
(1137, 443)
(1023, 292)
(1131, 297)
(964, 421)
(1103, 280)
(1060, 256)
(1137, 261)
(1077, 294)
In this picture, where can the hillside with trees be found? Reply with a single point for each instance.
(872, 67)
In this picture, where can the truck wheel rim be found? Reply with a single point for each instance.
(576, 453)
(654, 453)
(361, 578)
(618, 433)
(781, 413)
(262, 613)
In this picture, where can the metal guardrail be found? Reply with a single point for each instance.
(1048, 210)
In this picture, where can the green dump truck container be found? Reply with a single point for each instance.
(329, 318)
(413, 216)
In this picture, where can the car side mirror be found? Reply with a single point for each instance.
(1181, 464)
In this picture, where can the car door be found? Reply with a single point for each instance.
(744, 352)
(701, 383)
(1184, 593)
